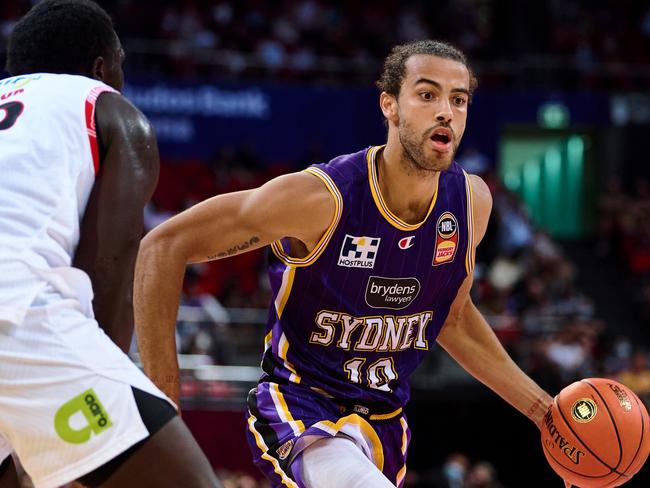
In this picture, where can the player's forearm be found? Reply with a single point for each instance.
(107, 251)
(159, 275)
(474, 346)
(113, 290)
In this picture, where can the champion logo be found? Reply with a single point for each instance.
(406, 242)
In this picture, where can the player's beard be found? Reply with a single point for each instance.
(413, 148)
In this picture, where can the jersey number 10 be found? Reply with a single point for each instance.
(378, 375)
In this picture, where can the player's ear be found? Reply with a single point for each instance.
(388, 105)
(98, 71)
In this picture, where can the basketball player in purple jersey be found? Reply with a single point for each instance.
(374, 253)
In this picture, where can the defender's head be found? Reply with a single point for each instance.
(67, 36)
(426, 87)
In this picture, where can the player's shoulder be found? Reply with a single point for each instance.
(114, 112)
(302, 186)
(480, 190)
(347, 169)
(481, 204)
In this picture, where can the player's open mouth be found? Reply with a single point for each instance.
(441, 139)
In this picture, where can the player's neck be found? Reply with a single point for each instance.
(407, 191)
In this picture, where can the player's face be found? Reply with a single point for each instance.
(432, 109)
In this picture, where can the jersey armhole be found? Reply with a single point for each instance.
(471, 248)
(313, 255)
(91, 126)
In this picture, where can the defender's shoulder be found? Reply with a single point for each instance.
(116, 113)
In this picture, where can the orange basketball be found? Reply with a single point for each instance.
(596, 434)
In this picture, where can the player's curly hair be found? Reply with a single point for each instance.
(394, 69)
(60, 36)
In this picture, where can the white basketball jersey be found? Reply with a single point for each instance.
(48, 161)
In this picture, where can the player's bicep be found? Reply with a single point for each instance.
(127, 176)
(292, 205)
(212, 229)
(457, 309)
(129, 149)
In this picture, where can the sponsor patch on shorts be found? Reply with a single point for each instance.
(81, 417)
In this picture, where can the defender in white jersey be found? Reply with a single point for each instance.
(78, 163)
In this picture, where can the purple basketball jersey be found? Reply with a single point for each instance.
(355, 317)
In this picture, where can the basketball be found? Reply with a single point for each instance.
(596, 434)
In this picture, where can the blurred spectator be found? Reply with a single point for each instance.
(637, 376)
(474, 162)
(454, 470)
(624, 235)
(571, 350)
(450, 475)
(619, 356)
(241, 480)
(482, 475)
(153, 216)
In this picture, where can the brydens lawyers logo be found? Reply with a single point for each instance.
(406, 242)
(394, 293)
(358, 252)
(446, 239)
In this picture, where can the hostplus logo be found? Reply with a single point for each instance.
(358, 252)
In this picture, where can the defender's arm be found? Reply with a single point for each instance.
(469, 339)
(295, 205)
(112, 225)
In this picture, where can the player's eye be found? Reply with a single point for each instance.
(426, 96)
(460, 101)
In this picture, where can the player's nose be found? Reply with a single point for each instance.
(443, 111)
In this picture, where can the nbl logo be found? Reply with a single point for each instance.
(446, 240)
(358, 252)
(447, 226)
(584, 410)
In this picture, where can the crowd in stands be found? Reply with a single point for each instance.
(526, 286)
(624, 233)
(567, 43)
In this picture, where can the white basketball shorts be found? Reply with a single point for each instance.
(66, 403)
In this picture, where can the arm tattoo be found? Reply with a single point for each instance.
(235, 249)
(533, 408)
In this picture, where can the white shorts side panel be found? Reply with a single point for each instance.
(66, 404)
